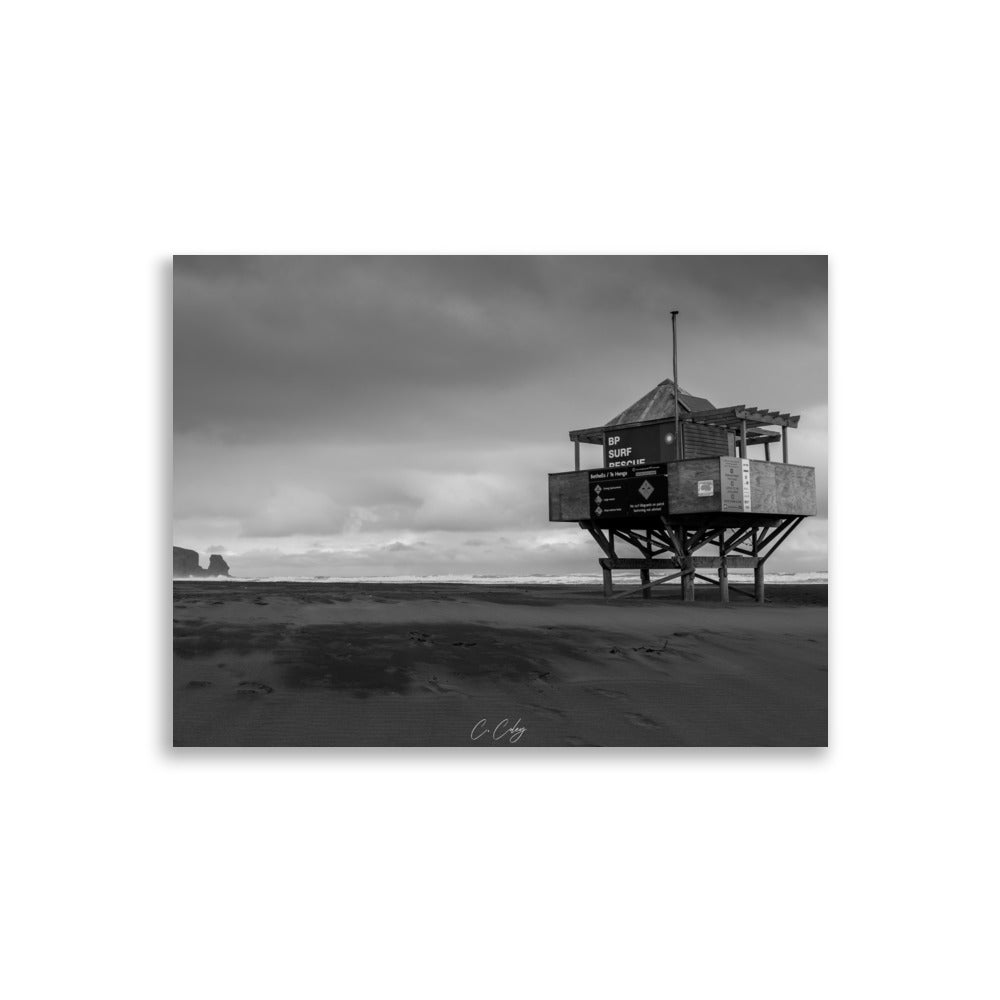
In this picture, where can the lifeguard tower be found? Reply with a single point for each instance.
(677, 482)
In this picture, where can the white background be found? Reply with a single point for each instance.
(133, 131)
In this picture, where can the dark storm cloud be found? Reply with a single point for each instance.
(331, 347)
(438, 347)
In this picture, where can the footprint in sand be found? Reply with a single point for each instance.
(552, 713)
(640, 720)
(199, 684)
(606, 693)
(438, 688)
(463, 644)
(253, 688)
(420, 636)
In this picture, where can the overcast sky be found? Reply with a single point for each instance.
(398, 415)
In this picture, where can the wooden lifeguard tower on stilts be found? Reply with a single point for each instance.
(678, 487)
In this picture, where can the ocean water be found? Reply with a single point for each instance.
(581, 579)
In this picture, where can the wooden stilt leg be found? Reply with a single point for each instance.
(644, 573)
(687, 580)
(723, 571)
(608, 589)
(758, 570)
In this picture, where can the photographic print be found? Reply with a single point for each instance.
(500, 501)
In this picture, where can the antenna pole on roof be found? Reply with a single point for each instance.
(677, 403)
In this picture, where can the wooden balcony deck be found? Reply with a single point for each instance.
(697, 490)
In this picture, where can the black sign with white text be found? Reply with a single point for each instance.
(648, 445)
(635, 491)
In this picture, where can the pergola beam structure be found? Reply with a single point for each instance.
(727, 418)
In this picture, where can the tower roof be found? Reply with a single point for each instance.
(659, 403)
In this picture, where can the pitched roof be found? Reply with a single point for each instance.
(659, 403)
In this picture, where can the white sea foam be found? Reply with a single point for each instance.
(582, 579)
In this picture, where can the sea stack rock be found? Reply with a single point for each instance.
(217, 566)
(187, 563)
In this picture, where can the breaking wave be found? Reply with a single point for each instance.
(565, 579)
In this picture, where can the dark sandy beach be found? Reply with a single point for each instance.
(293, 664)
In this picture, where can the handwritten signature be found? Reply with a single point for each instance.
(502, 730)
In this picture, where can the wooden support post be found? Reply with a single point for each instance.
(687, 580)
(576, 454)
(723, 571)
(644, 573)
(678, 538)
(784, 445)
(758, 571)
(767, 453)
(743, 439)
(608, 587)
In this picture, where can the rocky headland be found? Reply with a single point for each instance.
(188, 563)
